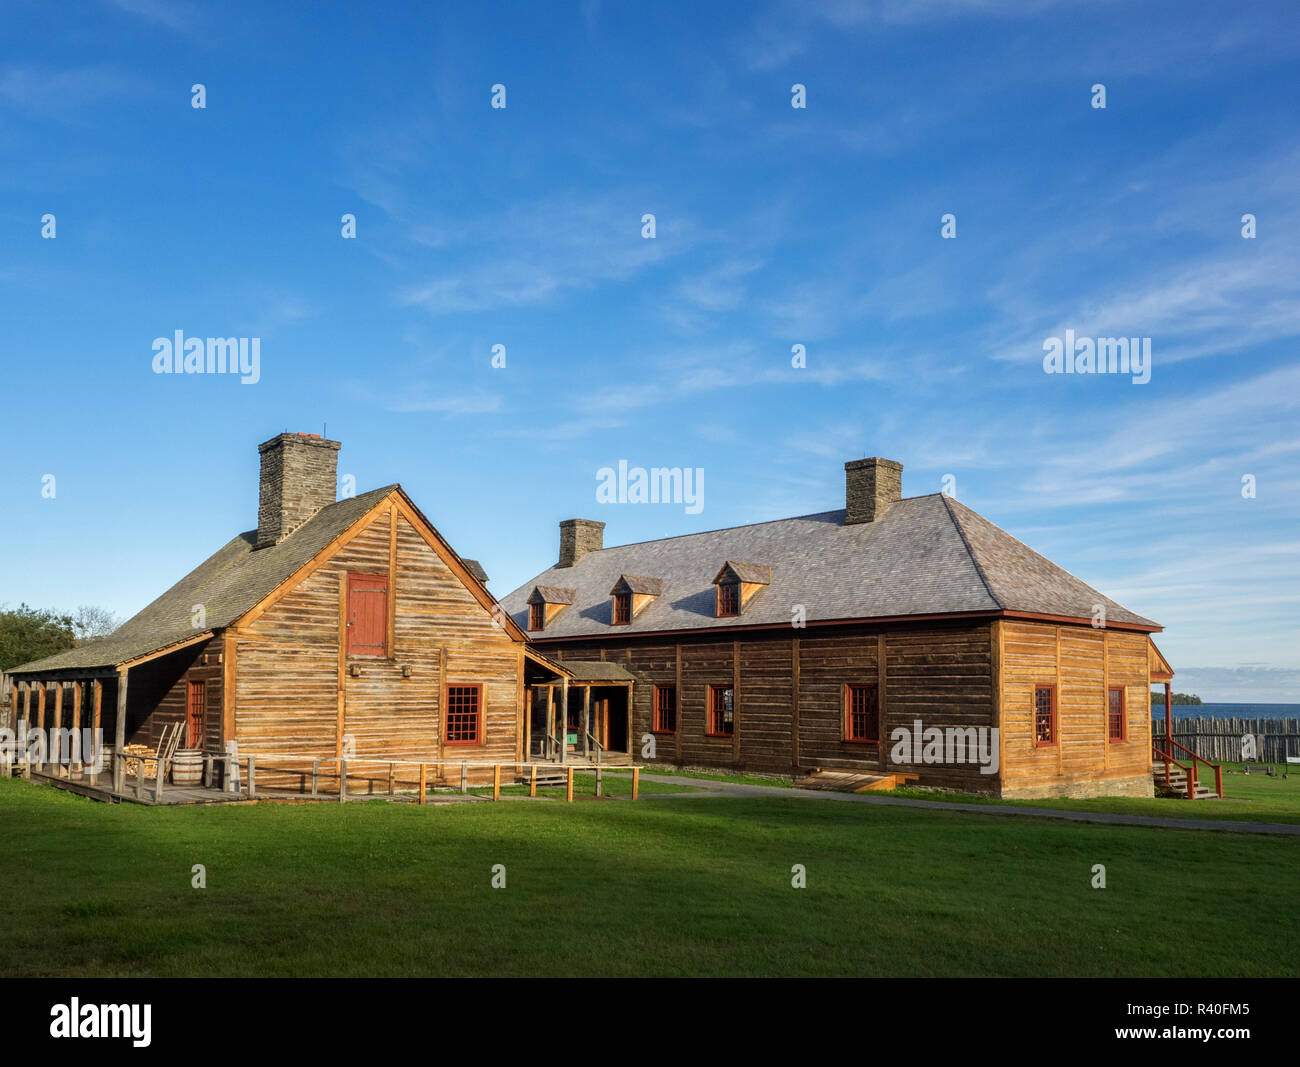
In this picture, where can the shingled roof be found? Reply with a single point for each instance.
(927, 555)
(228, 584)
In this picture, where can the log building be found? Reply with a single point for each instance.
(336, 628)
(890, 638)
(897, 639)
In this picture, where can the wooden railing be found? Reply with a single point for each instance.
(1165, 756)
(242, 772)
(342, 771)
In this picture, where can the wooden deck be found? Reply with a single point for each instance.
(100, 788)
(314, 783)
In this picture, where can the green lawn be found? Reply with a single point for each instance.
(652, 887)
(1250, 797)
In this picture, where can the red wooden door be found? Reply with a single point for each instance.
(367, 614)
(196, 714)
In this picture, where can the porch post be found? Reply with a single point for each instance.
(564, 720)
(1169, 720)
(58, 723)
(119, 728)
(76, 727)
(550, 712)
(528, 722)
(27, 711)
(40, 725)
(586, 721)
(22, 721)
(97, 691)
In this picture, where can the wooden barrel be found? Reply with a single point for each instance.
(187, 767)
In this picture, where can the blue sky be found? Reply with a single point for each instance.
(775, 226)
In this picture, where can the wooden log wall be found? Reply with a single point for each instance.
(791, 683)
(1082, 662)
(292, 683)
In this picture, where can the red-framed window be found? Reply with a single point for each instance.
(728, 599)
(196, 714)
(536, 616)
(665, 721)
(622, 609)
(464, 715)
(367, 615)
(1044, 715)
(861, 714)
(1116, 714)
(722, 711)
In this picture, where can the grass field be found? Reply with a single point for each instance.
(655, 887)
(1246, 798)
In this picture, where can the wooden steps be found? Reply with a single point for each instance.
(852, 781)
(1177, 786)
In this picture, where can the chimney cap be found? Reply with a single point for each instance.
(872, 461)
(301, 439)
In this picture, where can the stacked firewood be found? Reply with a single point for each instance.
(149, 765)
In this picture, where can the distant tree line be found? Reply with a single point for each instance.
(28, 633)
(1179, 698)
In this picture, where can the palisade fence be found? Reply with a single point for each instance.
(1220, 740)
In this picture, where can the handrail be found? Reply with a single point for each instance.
(1190, 770)
(599, 747)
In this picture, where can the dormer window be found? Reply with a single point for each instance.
(737, 583)
(632, 593)
(622, 609)
(545, 602)
(728, 599)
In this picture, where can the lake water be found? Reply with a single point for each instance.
(1228, 711)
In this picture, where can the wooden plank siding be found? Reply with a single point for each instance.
(289, 686)
(1082, 662)
(939, 673)
(963, 674)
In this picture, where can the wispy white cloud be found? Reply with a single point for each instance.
(540, 253)
(428, 399)
(49, 92)
(172, 14)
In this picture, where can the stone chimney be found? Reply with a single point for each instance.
(577, 538)
(871, 485)
(299, 477)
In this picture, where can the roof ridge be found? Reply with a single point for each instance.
(970, 551)
(742, 526)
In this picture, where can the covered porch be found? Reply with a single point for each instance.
(577, 712)
(101, 723)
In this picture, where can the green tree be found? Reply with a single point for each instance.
(28, 633)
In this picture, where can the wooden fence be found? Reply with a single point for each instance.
(1220, 740)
